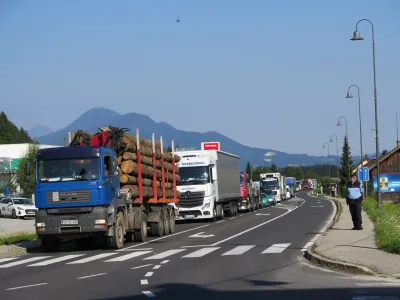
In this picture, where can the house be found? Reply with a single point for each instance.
(388, 163)
(10, 157)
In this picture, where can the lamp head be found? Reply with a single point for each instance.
(356, 36)
(339, 124)
(331, 140)
(349, 95)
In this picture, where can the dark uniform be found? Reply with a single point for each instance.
(354, 198)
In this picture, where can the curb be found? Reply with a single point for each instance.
(18, 249)
(316, 258)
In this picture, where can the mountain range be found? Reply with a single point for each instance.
(98, 117)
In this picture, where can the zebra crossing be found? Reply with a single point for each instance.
(110, 257)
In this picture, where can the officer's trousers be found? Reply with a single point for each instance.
(355, 211)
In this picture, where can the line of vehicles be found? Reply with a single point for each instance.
(210, 183)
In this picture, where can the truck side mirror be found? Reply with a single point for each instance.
(27, 171)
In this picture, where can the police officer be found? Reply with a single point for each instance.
(354, 198)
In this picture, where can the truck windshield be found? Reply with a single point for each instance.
(270, 184)
(193, 175)
(72, 169)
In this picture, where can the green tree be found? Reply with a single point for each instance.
(248, 168)
(274, 168)
(346, 162)
(27, 187)
(10, 134)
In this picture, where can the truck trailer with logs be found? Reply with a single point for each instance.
(107, 187)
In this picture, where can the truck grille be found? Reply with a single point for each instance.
(191, 199)
(68, 196)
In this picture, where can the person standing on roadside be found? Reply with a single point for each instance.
(354, 198)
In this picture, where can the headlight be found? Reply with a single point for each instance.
(19, 208)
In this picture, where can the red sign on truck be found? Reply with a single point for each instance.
(210, 146)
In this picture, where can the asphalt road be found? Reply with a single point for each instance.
(255, 256)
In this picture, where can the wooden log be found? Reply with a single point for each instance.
(129, 155)
(131, 167)
(120, 158)
(148, 191)
(127, 179)
(133, 180)
(143, 142)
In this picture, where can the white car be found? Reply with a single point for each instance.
(17, 208)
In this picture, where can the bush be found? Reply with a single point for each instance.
(17, 237)
(387, 224)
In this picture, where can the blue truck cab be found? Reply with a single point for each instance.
(78, 196)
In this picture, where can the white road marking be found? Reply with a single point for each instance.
(276, 248)
(259, 225)
(241, 215)
(239, 250)
(26, 286)
(148, 294)
(92, 258)
(379, 284)
(89, 276)
(144, 282)
(20, 262)
(164, 237)
(136, 249)
(156, 267)
(128, 256)
(201, 252)
(149, 274)
(200, 235)
(195, 246)
(138, 267)
(55, 260)
(219, 221)
(164, 262)
(262, 214)
(6, 259)
(232, 218)
(164, 254)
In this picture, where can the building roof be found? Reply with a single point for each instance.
(386, 156)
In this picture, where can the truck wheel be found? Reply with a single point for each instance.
(166, 221)
(171, 220)
(50, 244)
(140, 235)
(214, 216)
(117, 239)
(157, 229)
(231, 210)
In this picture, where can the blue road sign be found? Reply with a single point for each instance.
(360, 174)
(366, 174)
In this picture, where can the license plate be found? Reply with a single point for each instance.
(189, 216)
(69, 222)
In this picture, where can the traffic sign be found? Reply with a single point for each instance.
(365, 174)
(210, 146)
(360, 174)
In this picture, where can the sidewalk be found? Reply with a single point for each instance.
(353, 250)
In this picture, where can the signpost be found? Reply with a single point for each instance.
(363, 174)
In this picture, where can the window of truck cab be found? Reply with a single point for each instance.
(241, 179)
(68, 169)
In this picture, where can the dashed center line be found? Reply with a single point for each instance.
(26, 286)
(89, 276)
(148, 294)
(149, 274)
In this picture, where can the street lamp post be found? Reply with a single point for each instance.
(337, 151)
(357, 37)
(347, 136)
(329, 165)
(349, 95)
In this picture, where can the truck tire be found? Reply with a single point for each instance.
(171, 220)
(116, 241)
(158, 229)
(214, 216)
(166, 221)
(50, 244)
(140, 234)
(231, 209)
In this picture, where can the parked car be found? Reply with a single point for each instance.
(17, 207)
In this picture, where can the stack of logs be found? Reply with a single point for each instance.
(128, 168)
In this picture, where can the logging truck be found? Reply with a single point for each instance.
(80, 197)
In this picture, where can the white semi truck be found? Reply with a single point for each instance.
(209, 184)
(275, 182)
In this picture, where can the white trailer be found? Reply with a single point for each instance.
(209, 184)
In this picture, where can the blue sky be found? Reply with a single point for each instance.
(270, 74)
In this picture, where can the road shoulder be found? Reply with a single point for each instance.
(353, 251)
